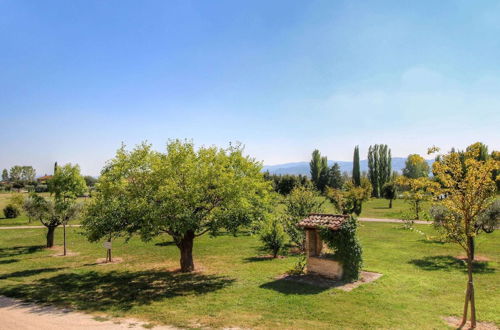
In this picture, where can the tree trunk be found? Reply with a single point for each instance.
(50, 236)
(390, 203)
(469, 295)
(185, 246)
(472, 248)
(64, 238)
(417, 209)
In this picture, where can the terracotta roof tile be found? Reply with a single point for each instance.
(317, 220)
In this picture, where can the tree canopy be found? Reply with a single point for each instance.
(185, 192)
(416, 167)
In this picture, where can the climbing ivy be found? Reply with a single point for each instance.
(346, 246)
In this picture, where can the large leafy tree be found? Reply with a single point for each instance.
(469, 190)
(356, 169)
(379, 167)
(185, 192)
(335, 179)
(416, 167)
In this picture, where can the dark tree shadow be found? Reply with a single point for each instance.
(292, 287)
(449, 263)
(8, 261)
(97, 291)
(29, 272)
(17, 250)
(431, 241)
(165, 244)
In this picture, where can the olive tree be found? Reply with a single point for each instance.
(184, 192)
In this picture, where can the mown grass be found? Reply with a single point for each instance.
(422, 282)
(379, 208)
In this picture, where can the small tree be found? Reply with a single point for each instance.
(66, 185)
(350, 199)
(356, 168)
(301, 202)
(416, 191)
(5, 175)
(335, 179)
(416, 167)
(51, 216)
(469, 191)
(390, 191)
(273, 235)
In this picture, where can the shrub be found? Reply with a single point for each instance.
(273, 235)
(11, 211)
(347, 248)
(41, 188)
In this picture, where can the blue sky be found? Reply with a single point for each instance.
(283, 77)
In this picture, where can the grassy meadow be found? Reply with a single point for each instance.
(421, 283)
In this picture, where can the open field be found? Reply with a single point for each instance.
(236, 288)
(379, 208)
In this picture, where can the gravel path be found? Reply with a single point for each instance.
(422, 222)
(15, 315)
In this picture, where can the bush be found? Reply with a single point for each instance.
(41, 188)
(10, 211)
(273, 235)
(347, 248)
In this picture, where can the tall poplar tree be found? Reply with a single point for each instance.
(379, 167)
(319, 170)
(356, 171)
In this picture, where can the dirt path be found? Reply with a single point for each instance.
(16, 315)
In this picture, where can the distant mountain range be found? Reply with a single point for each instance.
(398, 163)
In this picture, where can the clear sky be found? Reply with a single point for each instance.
(283, 77)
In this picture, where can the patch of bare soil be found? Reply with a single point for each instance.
(60, 252)
(102, 261)
(324, 282)
(454, 321)
(477, 258)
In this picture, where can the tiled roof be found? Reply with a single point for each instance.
(318, 220)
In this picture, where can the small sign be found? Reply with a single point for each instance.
(107, 245)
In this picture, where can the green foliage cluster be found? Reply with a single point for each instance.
(379, 167)
(344, 242)
(350, 199)
(321, 175)
(11, 211)
(273, 235)
(356, 168)
(284, 184)
(416, 167)
(301, 202)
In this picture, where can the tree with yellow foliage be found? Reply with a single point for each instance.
(469, 189)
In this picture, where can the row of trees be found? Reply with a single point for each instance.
(19, 176)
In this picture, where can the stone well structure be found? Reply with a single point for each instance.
(318, 262)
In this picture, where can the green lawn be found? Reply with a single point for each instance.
(379, 208)
(422, 282)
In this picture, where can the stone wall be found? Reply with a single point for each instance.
(325, 267)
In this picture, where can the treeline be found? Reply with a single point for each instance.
(24, 178)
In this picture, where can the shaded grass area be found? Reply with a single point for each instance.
(421, 282)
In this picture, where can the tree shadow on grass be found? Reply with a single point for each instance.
(29, 272)
(292, 287)
(115, 290)
(8, 261)
(165, 244)
(449, 263)
(17, 250)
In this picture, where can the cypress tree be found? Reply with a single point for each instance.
(356, 172)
